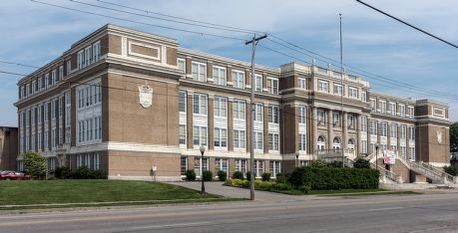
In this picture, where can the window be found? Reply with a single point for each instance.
(373, 128)
(199, 71)
(273, 114)
(69, 67)
(321, 117)
(363, 97)
(383, 107)
(61, 72)
(275, 168)
(351, 121)
(220, 106)
(239, 138)
(323, 86)
(258, 168)
(258, 112)
(182, 101)
(258, 82)
(353, 92)
(364, 146)
(181, 64)
(239, 109)
(95, 52)
(384, 128)
(87, 56)
(241, 165)
(302, 142)
(363, 123)
(200, 135)
(302, 115)
(274, 141)
(412, 153)
(394, 130)
(402, 110)
(336, 119)
(392, 108)
(183, 165)
(338, 89)
(238, 79)
(219, 75)
(258, 140)
(220, 138)
(197, 165)
(403, 131)
(200, 104)
(373, 105)
(411, 112)
(412, 133)
(302, 83)
(222, 165)
(80, 59)
(272, 85)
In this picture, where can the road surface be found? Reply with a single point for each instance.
(386, 213)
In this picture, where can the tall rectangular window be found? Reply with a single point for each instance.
(182, 134)
(302, 83)
(351, 121)
(338, 89)
(220, 138)
(239, 109)
(200, 136)
(258, 112)
(363, 123)
(302, 142)
(373, 127)
(373, 105)
(220, 106)
(182, 101)
(394, 130)
(219, 75)
(302, 115)
(384, 127)
(273, 114)
(321, 114)
(392, 108)
(258, 140)
(412, 133)
(403, 131)
(239, 138)
(258, 82)
(95, 52)
(272, 85)
(383, 107)
(275, 168)
(274, 141)
(181, 64)
(353, 92)
(183, 165)
(238, 79)
(199, 71)
(200, 104)
(402, 110)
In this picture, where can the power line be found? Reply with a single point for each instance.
(18, 64)
(408, 24)
(222, 27)
(12, 73)
(133, 21)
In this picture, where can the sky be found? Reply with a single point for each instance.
(374, 46)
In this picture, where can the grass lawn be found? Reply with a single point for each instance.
(89, 192)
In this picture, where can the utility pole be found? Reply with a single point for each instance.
(341, 86)
(254, 41)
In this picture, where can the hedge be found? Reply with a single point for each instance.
(327, 178)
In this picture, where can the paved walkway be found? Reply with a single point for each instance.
(227, 191)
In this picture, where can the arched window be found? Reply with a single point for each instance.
(321, 143)
(336, 143)
(351, 145)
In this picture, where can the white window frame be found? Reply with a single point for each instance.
(353, 92)
(238, 79)
(273, 85)
(323, 86)
(199, 71)
(219, 75)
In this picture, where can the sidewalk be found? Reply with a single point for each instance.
(219, 189)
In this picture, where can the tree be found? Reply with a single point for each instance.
(35, 165)
(361, 163)
(454, 137)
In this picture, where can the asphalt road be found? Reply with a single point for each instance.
(409, 213)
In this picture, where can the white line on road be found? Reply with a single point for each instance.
(189, 224)
(386, 208)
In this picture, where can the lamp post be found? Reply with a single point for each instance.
(202, 151)
(297, 158)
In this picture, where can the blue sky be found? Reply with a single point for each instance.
(35, 34)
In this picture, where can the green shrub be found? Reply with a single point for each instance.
(361, 163)
(35, 165)
(62, 173)
(335, 164)
(451, 170)
(264, 185)
(234, 182)
(207, 175)
(237, 175)
(305, 189)
(87, 173)
(265, 176)
(281, 186)
(245, 183)
(248, 175)
(222, 175)
(280, 178)
(190, 175)
(318, 164)
(334, 178)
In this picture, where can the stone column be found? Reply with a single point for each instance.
(313, 125)
(229, 75)
(188, 66)
(210, 72)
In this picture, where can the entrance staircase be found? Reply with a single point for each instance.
(431, 172)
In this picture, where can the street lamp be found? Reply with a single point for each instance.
(202, 151)
(297, 158)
